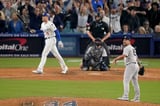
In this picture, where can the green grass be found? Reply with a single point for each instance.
(91, 89)
(52, 62)
(88, 89)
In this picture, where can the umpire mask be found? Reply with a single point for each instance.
(98, 17)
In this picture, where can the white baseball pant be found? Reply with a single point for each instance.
(50, 46)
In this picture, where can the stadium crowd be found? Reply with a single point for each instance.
(122, 16)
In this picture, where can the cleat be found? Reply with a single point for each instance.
(84, 68)
(135, 100)
(123, 98)
(37, 72)
(65, 70)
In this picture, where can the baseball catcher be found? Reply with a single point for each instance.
(95, 57)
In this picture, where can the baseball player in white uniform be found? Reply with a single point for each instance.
(131, 70)
(50, 35)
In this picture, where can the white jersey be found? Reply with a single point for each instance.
(115, 22)
(131, 54)
(48, 29)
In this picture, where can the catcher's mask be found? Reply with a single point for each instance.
(98, 42)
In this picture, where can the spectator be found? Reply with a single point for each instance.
(140, 11)
(25, 18)
(2, 22)
(125, 30)
(8, 10)
(120, 7)
(72, 16)
(16, 4)
(141, 30)
(154, 15)
(148, 8)
(1, 5)
(15, 25)
(58, 11)
(44, 6)
(26, 5)
(115, 20)
(147, 5)
(99, 8)
(125, 12)
(82, 19)
(96, 3)
(106, 9)
(56, 20)
(157, 31)
(147, 27)
(104, 17)
(133, 20)
(89, 10)
(35, 20)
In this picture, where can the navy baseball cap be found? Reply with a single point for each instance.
(127, 37)
(45, 14)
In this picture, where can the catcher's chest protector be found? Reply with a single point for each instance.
(97, 53)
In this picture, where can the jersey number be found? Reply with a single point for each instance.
(134, 52)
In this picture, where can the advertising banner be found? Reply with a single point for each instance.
(115, 45)
(21, 46)
(71, 47)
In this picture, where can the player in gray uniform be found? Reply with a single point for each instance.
(131, 70)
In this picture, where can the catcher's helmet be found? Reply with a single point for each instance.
(98, 42)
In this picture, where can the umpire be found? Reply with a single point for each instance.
(99, 29)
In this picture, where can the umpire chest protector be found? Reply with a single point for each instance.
(98, 29)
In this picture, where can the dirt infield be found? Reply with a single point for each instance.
(73, 74)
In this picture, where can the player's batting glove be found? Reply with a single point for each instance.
(60, 44)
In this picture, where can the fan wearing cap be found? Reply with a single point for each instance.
(50, 34)
(131, 70)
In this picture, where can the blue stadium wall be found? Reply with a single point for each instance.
(31, 45)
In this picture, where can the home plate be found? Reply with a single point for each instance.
(95, 73)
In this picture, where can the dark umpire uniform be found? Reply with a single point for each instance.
(99, 29)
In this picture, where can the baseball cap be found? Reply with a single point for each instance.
(127, 37)
(45, 14)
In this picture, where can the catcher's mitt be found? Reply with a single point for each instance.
(141, 70)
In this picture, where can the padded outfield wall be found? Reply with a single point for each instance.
(31, 45)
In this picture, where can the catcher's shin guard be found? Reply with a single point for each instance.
(106, 60)
(85, 66)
